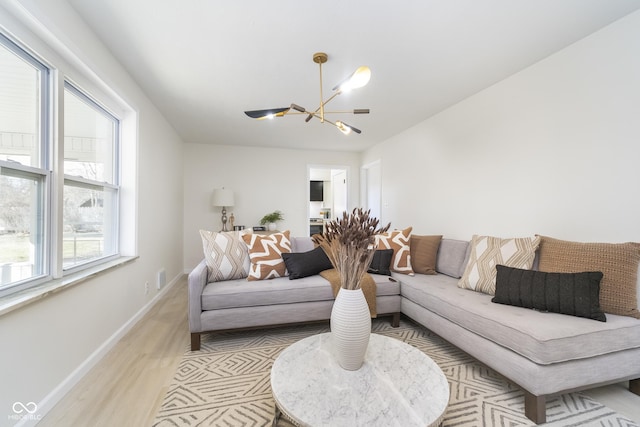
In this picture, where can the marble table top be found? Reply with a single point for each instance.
(398, 385)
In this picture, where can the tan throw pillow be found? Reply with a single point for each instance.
(398, 240)
(226, 255)
(265, 253)
(617, 261)
(424, 252)
(487, 252)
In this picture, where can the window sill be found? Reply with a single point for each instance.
(20, 299)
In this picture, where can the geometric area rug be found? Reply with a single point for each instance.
(227, 383)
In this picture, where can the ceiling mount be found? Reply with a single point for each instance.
(320, 57)
(357, 79)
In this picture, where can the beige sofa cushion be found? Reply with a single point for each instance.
(242, 293)
(542, 337)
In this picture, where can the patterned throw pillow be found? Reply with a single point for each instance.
(398, 240)
(617, 261)
(226, 255)
(265, 253)
(487, 252)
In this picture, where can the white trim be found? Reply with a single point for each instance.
(58, 393)
(365, 183)
(16, 300)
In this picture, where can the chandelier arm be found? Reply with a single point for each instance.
(327, 101)
(291, 113)
(315, 114)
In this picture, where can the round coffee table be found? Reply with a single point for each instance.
(398, 385)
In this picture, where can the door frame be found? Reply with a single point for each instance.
(330, 167)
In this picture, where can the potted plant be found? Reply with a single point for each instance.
(271, 219)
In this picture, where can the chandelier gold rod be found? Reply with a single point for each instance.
(330, 122)
(322, 104)
(326, 112)
(321, 96)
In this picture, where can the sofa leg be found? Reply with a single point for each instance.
(195, 341)
(395, 320)
(634, 386)
(535, 407)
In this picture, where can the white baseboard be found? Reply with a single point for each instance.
(58, 393)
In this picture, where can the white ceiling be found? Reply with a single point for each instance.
(204, 62)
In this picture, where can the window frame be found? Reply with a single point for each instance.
(86, 183)
(43, 168)
(50, 170)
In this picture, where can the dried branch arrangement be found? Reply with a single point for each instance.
(350, 244)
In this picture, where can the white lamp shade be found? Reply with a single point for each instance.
(222, 197)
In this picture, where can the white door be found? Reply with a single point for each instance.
(339, 188)
(372, 181)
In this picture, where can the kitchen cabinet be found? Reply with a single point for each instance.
(316, 191)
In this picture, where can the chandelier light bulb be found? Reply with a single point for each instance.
(344, 129)
(359, 78)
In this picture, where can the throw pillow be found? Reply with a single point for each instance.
(575, 294)
(398, 240)
(617, 261)
(487, 252)
(424, 251)
(381, 262)
(265, 253)
(226, 255)
(304, 264)
(452, 256)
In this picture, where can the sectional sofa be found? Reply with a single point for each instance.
(543, 350)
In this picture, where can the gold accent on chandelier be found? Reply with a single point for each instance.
(359, 78)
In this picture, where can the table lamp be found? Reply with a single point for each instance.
(223, 197)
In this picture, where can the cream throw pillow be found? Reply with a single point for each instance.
(265, 253)
(226, 255)
(487, 252)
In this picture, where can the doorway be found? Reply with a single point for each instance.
(327, 195)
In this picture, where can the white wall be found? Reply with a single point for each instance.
(553, 150)
(48, 344)
(262, 179)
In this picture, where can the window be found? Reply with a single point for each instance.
(79, 205)
(90, 206)
(24, 176)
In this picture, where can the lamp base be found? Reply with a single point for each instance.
(224, 219)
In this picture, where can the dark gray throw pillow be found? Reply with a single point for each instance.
(303, 264)
(575, 294)
(381, 262)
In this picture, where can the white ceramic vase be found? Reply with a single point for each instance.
(350, 328)
(272, 226)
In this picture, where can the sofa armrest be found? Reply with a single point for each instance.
(197, 281)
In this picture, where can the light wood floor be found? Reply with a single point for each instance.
(126, 388)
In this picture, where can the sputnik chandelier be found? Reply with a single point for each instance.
(357, 79)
